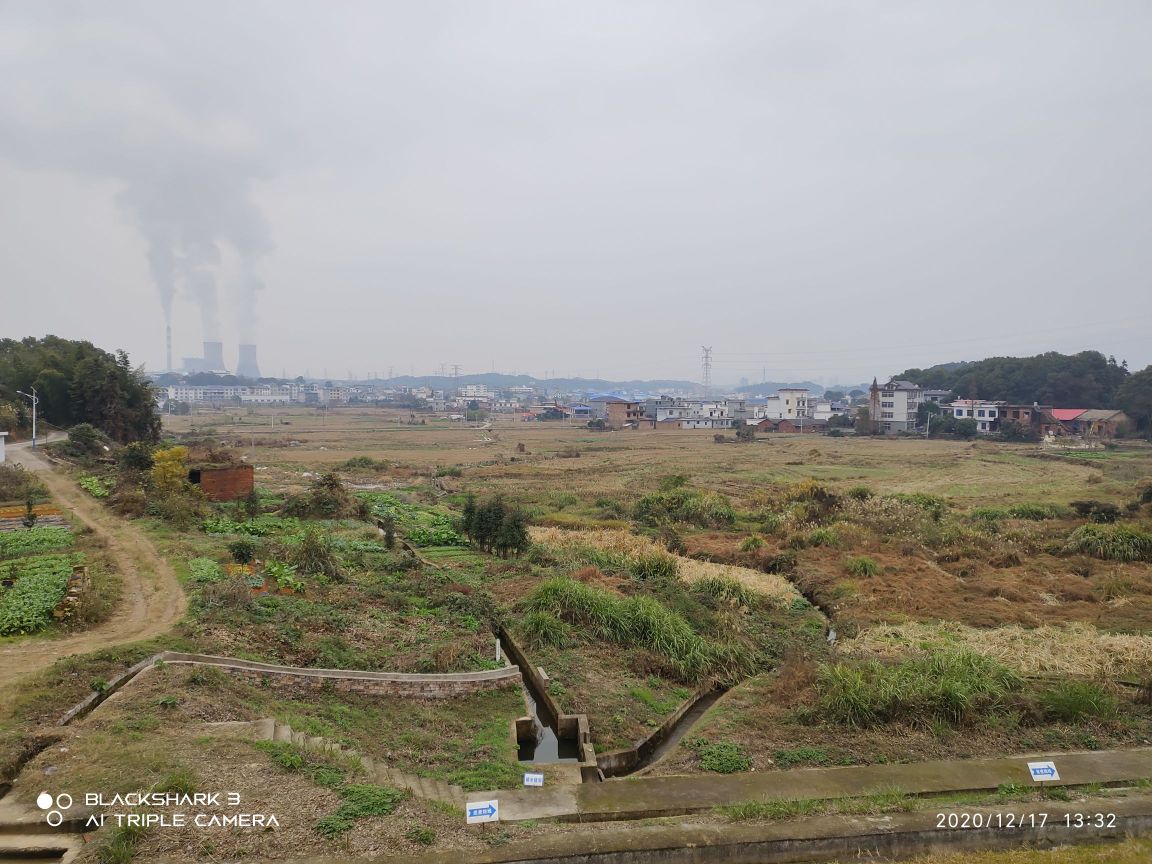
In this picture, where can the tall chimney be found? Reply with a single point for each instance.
(168, 342)
(247, 367)
(214, 356)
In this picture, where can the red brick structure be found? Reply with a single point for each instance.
(805, 426)
(224, 482)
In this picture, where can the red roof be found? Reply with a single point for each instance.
(1063, 414)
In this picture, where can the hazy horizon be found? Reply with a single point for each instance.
(823, 191)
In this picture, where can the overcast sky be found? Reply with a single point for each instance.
(830, 190)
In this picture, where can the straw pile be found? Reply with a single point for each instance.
(690, 570)
(1074, 649)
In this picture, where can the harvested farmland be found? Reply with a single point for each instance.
(1074, 649)
(634, 546)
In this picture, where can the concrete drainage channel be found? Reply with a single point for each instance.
(548, 736)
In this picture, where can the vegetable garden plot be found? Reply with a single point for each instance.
(38, 585)
(37, 539)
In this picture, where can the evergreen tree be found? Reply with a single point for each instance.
(512, 537)
(468, 517)
(489, 518)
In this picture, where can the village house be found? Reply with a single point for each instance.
(616, 411)
(802, 425)
(1093, 422)
(893, 407)
(986, 414)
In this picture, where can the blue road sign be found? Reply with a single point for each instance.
(1043, 772)
(483, 811)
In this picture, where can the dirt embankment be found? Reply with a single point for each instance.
(151, 599)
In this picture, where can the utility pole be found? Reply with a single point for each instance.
(706, 370)
(35, 400)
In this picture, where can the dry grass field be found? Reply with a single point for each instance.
(624, 464)
(909, 547)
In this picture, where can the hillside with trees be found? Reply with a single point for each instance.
(1084, 380)
(76, 382)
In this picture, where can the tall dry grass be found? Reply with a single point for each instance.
(621, 543)
(1074, 649)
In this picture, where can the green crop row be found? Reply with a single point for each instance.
(37, 539)
(40, 583)
(97, 487)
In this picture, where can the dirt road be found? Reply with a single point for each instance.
(151, 601)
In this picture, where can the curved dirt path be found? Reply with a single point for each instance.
(151, 600)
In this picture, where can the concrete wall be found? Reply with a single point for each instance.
(620, 762)
(820, 839)
(409, 685)
(569, 726)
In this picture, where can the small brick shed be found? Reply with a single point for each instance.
(224, 482)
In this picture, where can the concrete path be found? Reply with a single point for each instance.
(882, 837)
(645, 797)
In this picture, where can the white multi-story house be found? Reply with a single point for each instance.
(794, 403)
(475, 391)
(986, 414)
(893, 406)
(668, 409)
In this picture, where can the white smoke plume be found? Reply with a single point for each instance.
(181, 145)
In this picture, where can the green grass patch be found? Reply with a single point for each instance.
(1110, 542)
(641, 622)
(955, 687)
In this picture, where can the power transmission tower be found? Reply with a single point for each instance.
(706, 370)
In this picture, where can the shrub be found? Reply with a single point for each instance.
(284, 575)
(860, 493)
(16, 483)
(243, 550)
(1099, 512)
(933, 505)
(862, 566)
(83, 439)
(822, 501)
(822, 537)
(315, 555)
(782, 562)
(704, 509)
(136, 456)
(1035, 512)
(722, 757)
(751, 544)
(1070, 701)
(1110, 542)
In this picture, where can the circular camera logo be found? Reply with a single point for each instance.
(54, 806)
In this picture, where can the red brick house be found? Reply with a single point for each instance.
(224, 482)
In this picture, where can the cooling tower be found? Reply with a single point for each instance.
(247, 367)
(214, 356)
